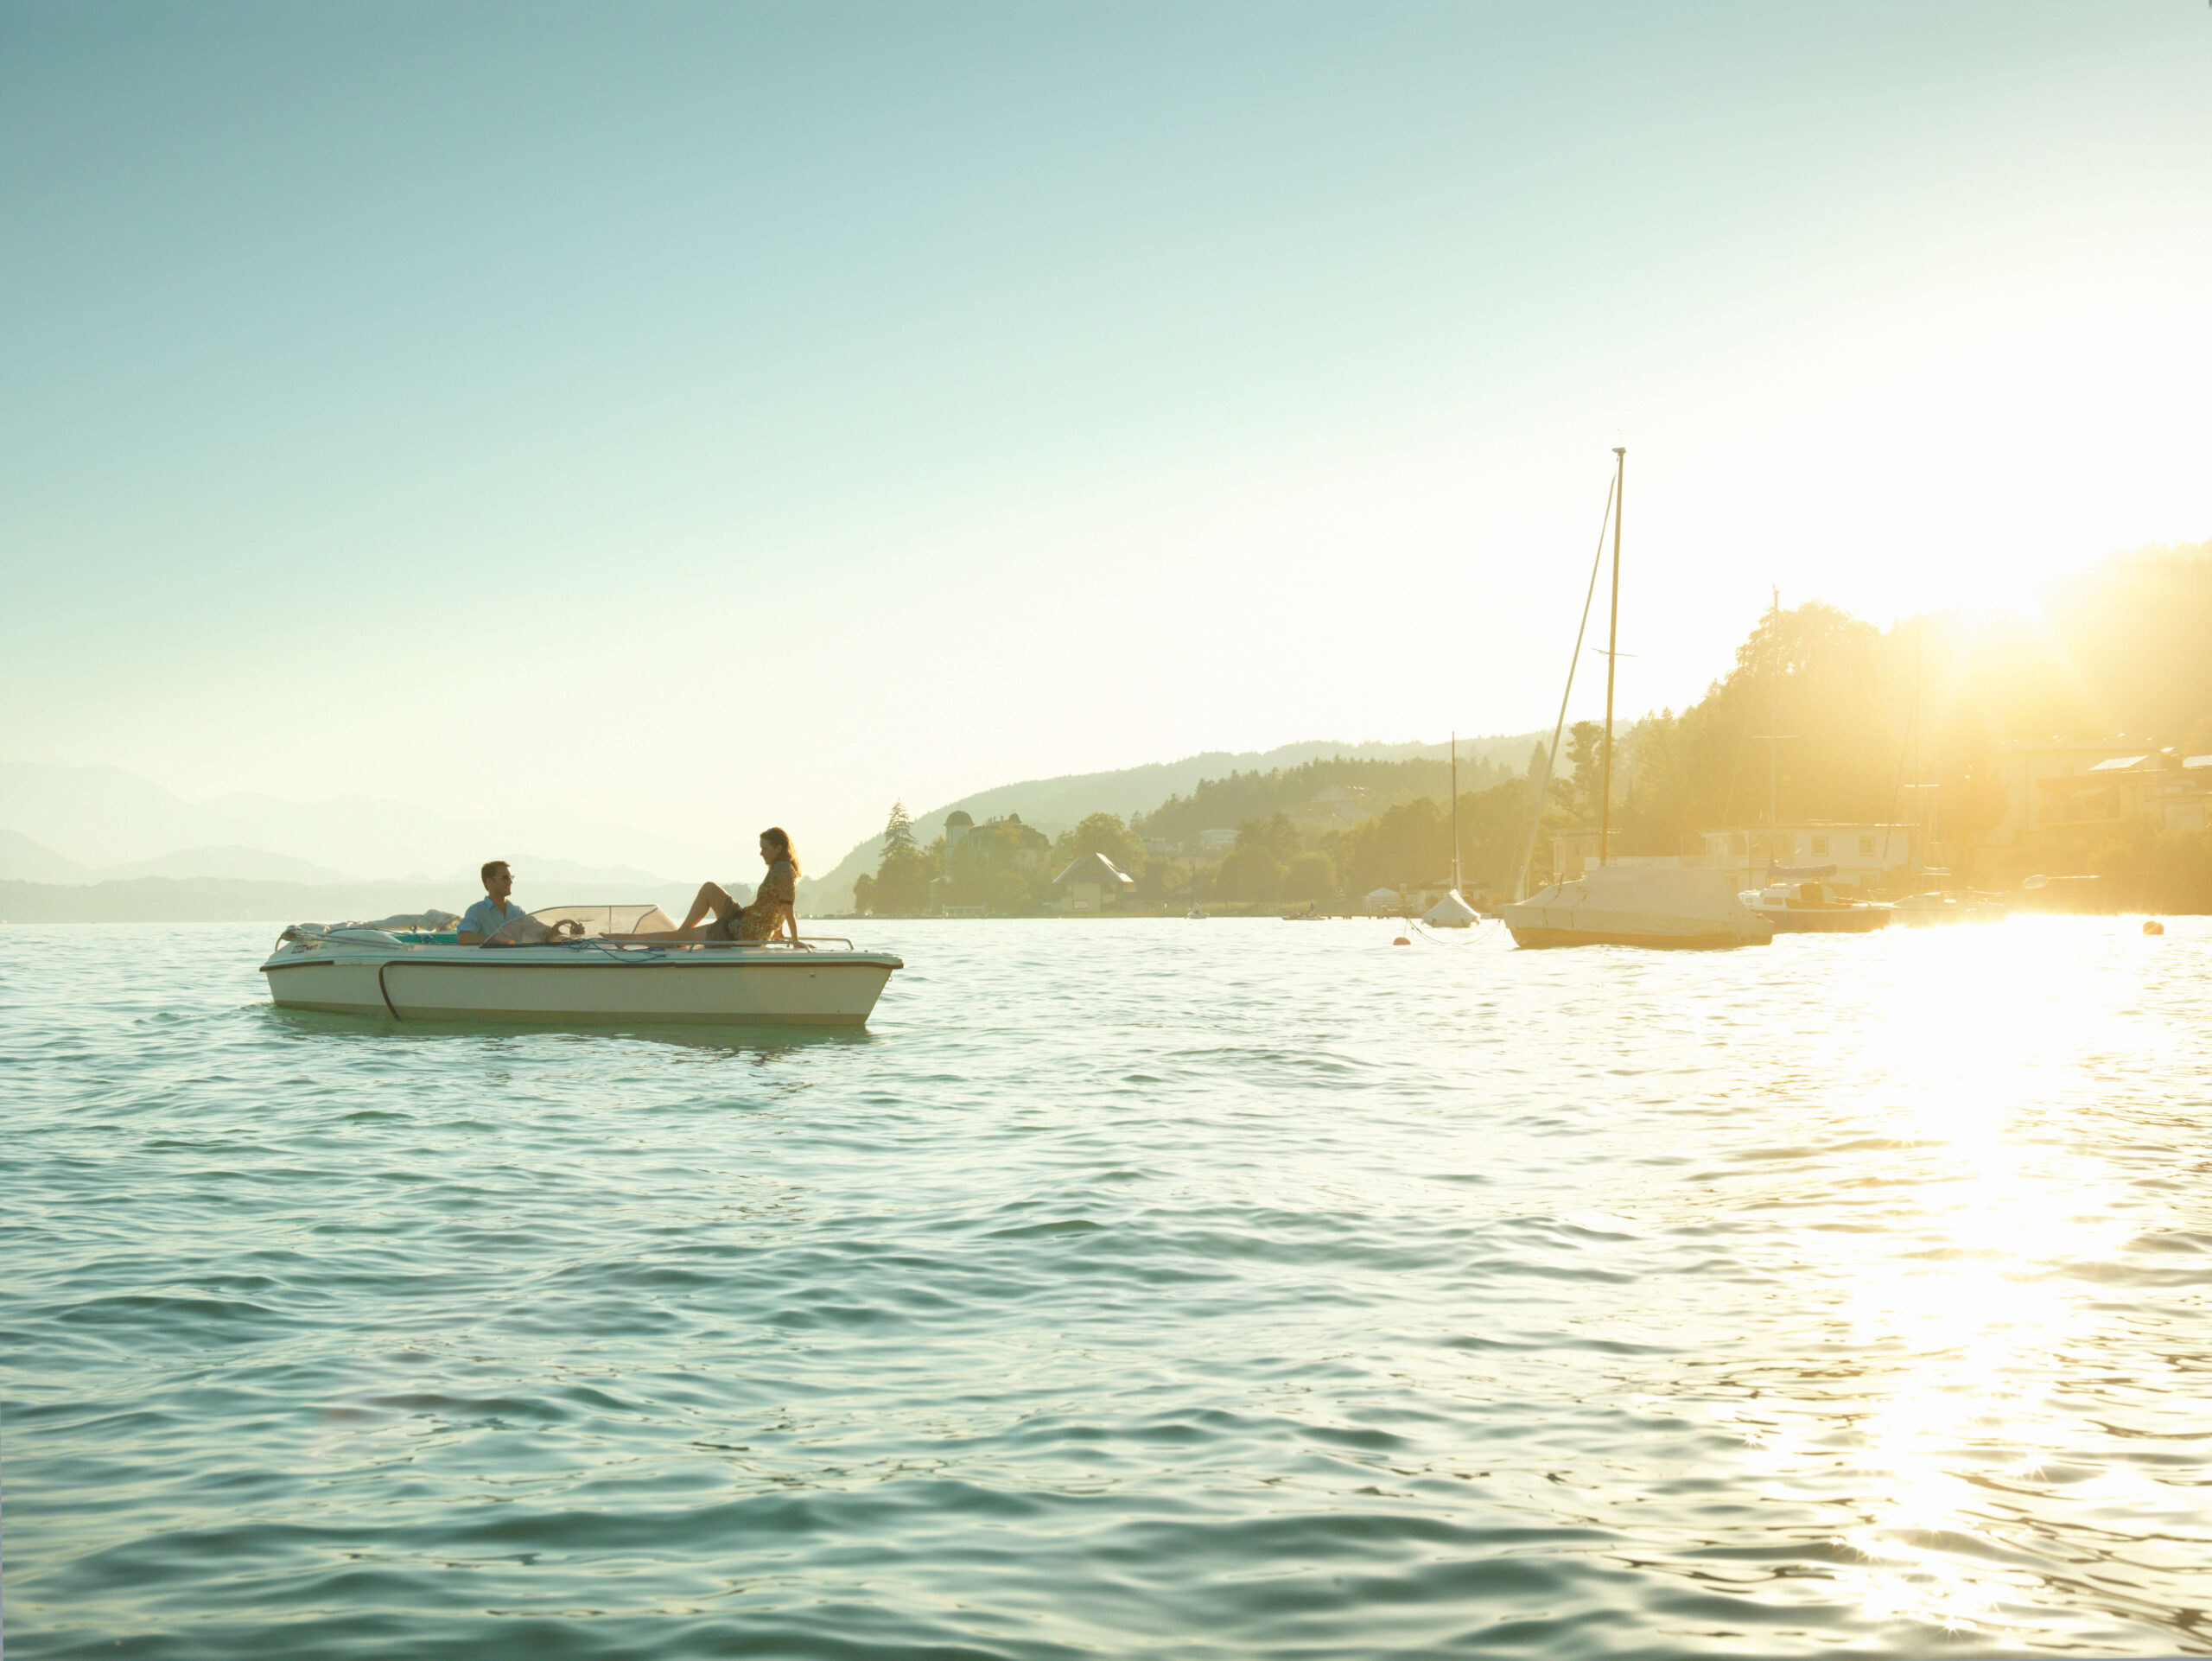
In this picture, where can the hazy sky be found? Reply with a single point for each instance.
(716, 414)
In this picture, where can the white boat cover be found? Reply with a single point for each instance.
(1659, 903)
(351, 933)
(414, 919)
(1451, 912)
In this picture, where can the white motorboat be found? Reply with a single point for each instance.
(582, 981)
(1638, 905)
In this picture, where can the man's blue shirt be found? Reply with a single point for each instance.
(487, 916)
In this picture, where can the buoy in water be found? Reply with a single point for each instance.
(1402, 940)
(2154, 926)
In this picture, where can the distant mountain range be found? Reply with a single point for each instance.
(22, 860)
(77, 824)
(26, 861)
(228, 900)
(1053, 804)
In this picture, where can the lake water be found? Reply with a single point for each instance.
(1193, 1289)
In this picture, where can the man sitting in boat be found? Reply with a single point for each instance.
(494, 920)
(495, 912)
(769, 916)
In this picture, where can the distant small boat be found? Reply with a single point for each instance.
(1451, 912)
(586, 982)
(1816, 908)
(1195, 915)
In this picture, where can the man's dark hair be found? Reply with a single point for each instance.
(490, 866)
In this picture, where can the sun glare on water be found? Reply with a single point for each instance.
(1958, 1300)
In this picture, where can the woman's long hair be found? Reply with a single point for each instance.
(782, 838)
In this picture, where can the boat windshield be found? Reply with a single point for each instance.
(608, 920)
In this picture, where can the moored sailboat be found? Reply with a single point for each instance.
(1662, 907)
(1452, 910)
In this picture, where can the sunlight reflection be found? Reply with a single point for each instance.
(1977, 1059)
(1937, 1374)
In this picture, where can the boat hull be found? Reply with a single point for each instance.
(1719, 940)
(565, 987)
(1666, 909)
(1853, 920)
(1928, 913)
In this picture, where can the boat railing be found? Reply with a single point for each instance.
(321, 940)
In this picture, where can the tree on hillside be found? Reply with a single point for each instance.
(1217, 803)
(903, 876)
(1163, 880)
(1311, 877)
(898, 833)
(1819, 686)
(1099, 833)
(1275, 835)
(1412, 843)
(1249, 873)
(1585, 755)
(1254, 868)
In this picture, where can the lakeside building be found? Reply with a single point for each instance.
(1094, 883)
(1217, 842)
(2061, 792)
(979, 858)
(1860, 853)
(968, 845)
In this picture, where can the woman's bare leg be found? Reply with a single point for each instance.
(712, 897)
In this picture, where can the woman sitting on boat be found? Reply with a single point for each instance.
(769, 916)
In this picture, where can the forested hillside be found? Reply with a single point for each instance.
(1224, 804)
(2123, 653)
(1848, 716)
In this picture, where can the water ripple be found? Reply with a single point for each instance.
(1139, 1287)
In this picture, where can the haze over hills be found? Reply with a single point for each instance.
(22, 859)
(71, 827)
(1052, 805)
(103, 823)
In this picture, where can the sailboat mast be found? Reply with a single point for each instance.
(1913, 833)
(1613, 658)
(1455, 812)
(1773, 718)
